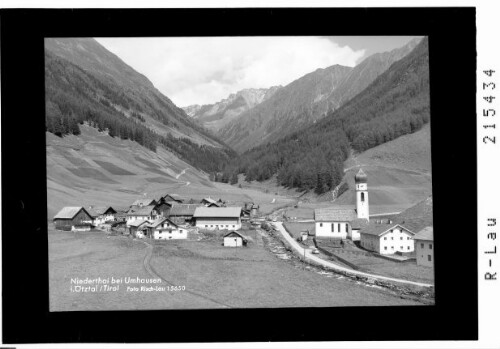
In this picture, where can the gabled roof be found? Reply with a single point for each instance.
(235, 233)
(380, 229)
(95, 211)
(138, 222)
(218, 212)
(210, 200)
(425, 234)
(141, 211)
(172, 197)
(335, 214)
(144, 202)
(183, 209)
(159, 221)
(69, 212)
(418, 216)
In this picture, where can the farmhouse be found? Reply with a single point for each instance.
(387, 238)
(234, 239)
(71, 216)
(102, 214)
(142, 213)
(182, 213)
(424, 250)
(171, 198)
(137, 228)
(337, 222)
(209, 202)
(165, 229)
(143, 202)
(163, 208)
(218, 217)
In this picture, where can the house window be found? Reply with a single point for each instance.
(321, 224)
(385, 247)
(392, 237)
(407, 238)
(401, 238)
(233, 225)
(362, 197)
(429, 258)
(392, 247)
(401, 247)
(408, 248)
(333, 228)
(338, 226)
(430, 246)
(211, 226)
(421, 245)
(385, 237)
(206, 226)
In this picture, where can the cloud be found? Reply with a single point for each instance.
(205, 70)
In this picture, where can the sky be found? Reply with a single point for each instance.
(205, 70)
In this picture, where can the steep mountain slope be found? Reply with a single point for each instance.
(215, 116)
(395, 104)
(87, 83)
(290, 108)
(306, 100)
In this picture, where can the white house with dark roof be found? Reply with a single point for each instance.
(234, 239)
(165, 229)
(142, 213)
(387, 238)
(101, 214)
(218, 218)
(424, 247)
(341, 222)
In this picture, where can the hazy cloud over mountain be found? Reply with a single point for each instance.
(206, 70)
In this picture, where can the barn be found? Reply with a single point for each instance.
(182, 213)
(234, 239)
(218, 218)
(424, 251)
(71, 216)
(171, 198)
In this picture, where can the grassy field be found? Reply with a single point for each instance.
(214, 276)
(408, 270)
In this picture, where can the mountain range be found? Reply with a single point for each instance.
(305, 100)
(85, 83)
(215, 116)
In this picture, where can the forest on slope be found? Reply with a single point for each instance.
(121, 104)
(395, 104)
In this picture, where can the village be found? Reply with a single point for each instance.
(398, 245)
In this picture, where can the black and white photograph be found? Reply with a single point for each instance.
(238, 172)
(251, 176)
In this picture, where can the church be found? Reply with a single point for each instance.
(342, 222)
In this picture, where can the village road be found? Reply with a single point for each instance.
(309, 256)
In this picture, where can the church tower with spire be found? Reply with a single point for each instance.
(362, 195)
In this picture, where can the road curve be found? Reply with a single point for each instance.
(307, 253)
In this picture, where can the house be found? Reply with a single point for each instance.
(234, 239)
(171, 198)
(254, 211)
(164, 229)
(387, 238)
(137, 227)
(71, 216)
(209, 202)
(143, 202)
(337, 222)
(218, 218)
(142, 213)
(424, 249)
(163, 208)
(182, 213)
(102, 214)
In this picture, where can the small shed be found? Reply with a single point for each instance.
(234, 239)
(70, 216)
(137, 227)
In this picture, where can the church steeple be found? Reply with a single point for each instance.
(361, 180)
